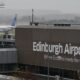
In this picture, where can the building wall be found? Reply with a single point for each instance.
(26, 55)
(8, 55)
(8, 60)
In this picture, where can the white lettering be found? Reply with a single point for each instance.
(66, 49)
(56, 49)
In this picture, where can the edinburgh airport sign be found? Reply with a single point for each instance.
(56, 49)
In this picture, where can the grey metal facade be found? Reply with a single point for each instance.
(8, 55)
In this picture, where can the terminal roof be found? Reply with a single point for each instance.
(72, 27)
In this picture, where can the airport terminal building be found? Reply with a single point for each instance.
(48, 51)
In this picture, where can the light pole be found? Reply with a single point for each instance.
(48, 66)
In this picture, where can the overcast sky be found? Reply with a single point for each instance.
(66, 6)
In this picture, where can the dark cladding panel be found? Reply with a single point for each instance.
(56, 35)
(41, 35)
(65, 44)
(24, 44)
(24, 38)
(65, 35)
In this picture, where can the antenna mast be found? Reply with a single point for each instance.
(32, 16)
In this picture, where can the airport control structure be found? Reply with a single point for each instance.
(8, 54)
(47, 52)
